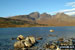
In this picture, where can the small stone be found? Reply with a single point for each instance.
(39, 38)
(51, 30)
(13, 38)
(52, 46)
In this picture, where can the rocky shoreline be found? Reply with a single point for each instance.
(28, 43)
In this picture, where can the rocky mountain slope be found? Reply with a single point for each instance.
(35, 18)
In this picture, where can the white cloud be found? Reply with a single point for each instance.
(72, 4)
(66, 11)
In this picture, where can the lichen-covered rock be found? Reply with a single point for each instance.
(27, 43)
(18, 44)
(31, 38)
(24, 42)
(20, 37)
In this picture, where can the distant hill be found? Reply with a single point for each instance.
(23, 17)
(7, 22)
(37, 19)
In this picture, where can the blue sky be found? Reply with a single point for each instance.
(22, 7)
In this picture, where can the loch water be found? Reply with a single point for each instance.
(7, 33)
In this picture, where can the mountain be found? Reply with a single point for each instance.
(23, 17)
(37, 19)
(61, 15)
(43, 19)
(45, 16)
(61, 19)
(35, 15)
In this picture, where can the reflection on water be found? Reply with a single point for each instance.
(7, 33)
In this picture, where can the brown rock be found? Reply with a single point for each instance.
(61, 39)
(39, 38)
(52, 46)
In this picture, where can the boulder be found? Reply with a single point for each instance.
(27, 43)
(51, 30)
(31, 39)
(18, 44)
(24, 42)
(20, 37)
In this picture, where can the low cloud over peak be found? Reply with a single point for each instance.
(66, 11)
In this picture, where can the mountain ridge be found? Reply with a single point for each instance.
(44, 19)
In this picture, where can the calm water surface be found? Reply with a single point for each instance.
(7, 33)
